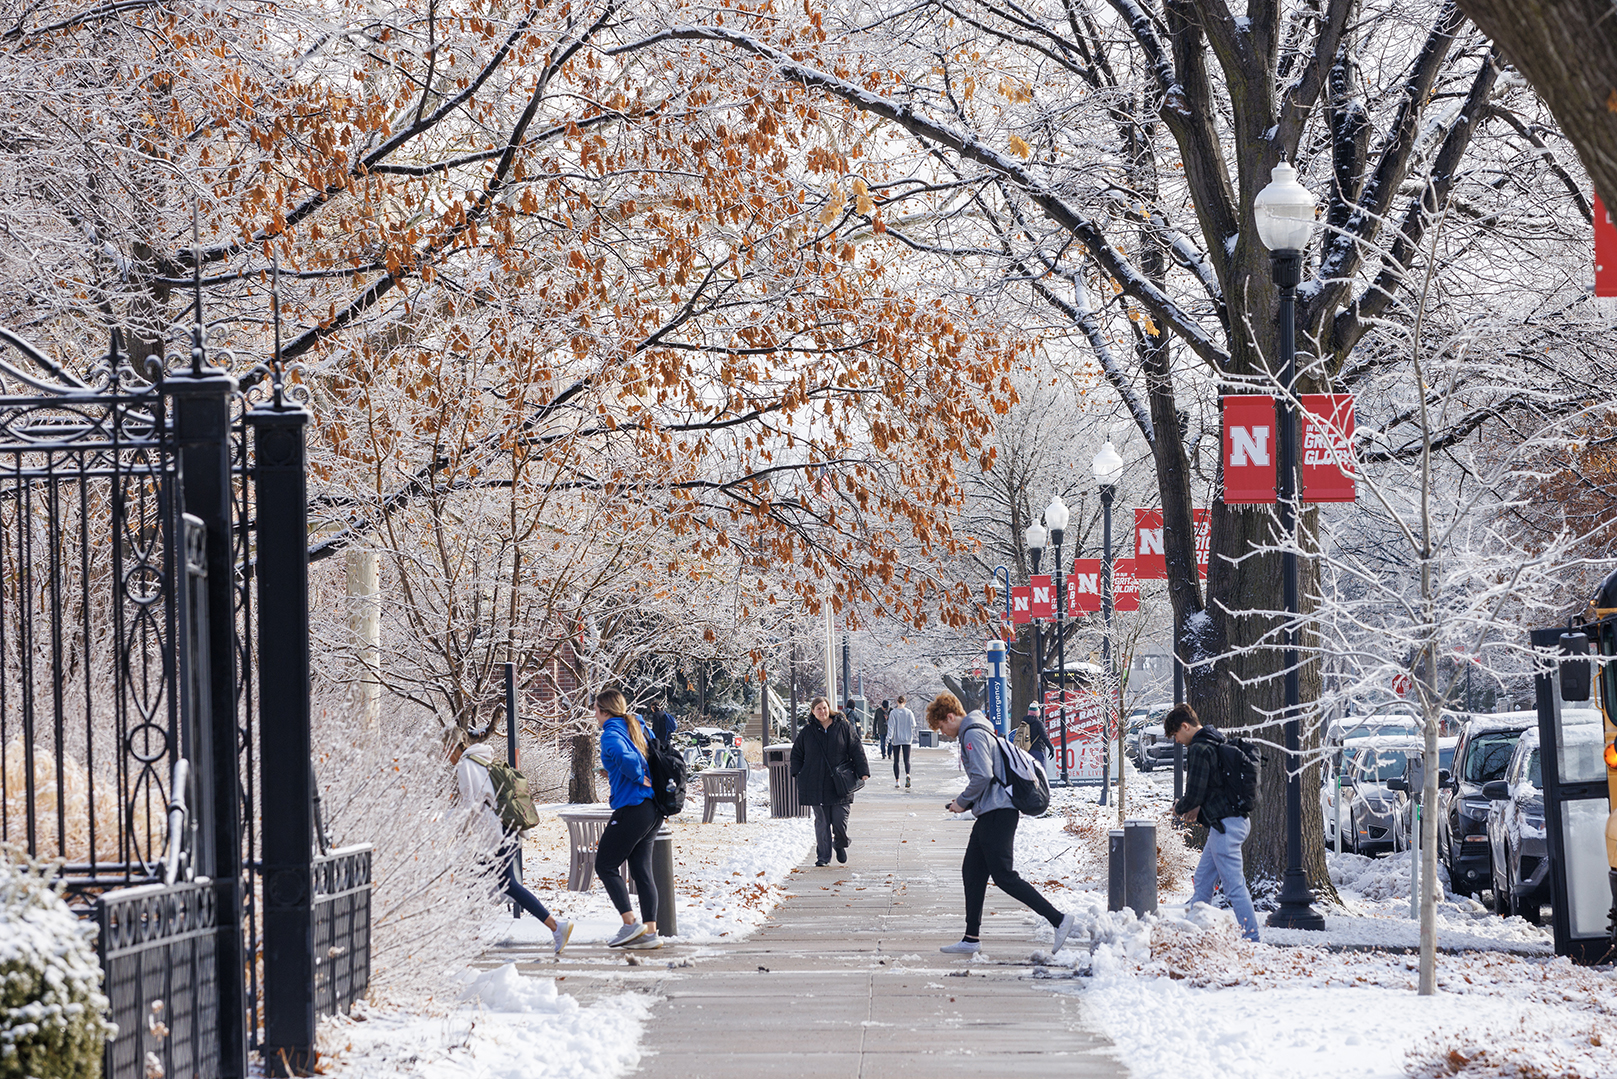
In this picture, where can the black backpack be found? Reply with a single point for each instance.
(1024, 780)
(1242, 768)
(668, 777)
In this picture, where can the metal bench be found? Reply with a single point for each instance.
(724, 785)
(584, 828)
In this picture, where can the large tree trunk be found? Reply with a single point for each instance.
(1568, 50)
(581, 781)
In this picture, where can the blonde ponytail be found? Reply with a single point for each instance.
(613, 703)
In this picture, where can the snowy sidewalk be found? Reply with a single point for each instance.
(845, 978)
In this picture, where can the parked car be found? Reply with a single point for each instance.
(1333, 810)
(1516, 837)
(1484, 751)
(1372, 808)
(1389, 724)
(1413, 784)
(1148, 744)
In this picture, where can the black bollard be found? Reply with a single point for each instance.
(1140, 866)
(662, 872)
(1114, 869)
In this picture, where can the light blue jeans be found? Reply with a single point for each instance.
(1221, 861)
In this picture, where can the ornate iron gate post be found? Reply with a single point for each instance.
(200, 406)
(287, 793)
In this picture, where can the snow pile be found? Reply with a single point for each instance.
(511, 1026)
(51, 1004)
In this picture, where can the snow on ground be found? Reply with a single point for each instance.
(511, 1026)
(508, 1025)
(1180, 994)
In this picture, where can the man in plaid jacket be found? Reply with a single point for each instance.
(1208, 800)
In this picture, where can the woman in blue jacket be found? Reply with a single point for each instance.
(629, 835)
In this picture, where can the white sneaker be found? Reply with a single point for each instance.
(962, 947)
(644, 942)
(561, 935)
(1061, 933)
(625, 934)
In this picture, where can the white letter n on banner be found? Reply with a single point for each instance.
(1249, 446)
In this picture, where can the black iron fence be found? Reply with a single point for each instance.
(158, 948)
(135, 745)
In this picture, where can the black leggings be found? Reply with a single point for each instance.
(513, 887)
(906, 748)
(988, 854)
(629, 835)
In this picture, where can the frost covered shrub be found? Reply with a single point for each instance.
(52, 1021)
(391, 785)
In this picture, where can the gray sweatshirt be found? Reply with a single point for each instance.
(901, 727)
(979, 755)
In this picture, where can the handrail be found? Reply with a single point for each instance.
(178, 817)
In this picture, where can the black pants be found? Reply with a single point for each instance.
(906, 748)
(830, 829)
(988, 854)
(629, 836)
(513, 887)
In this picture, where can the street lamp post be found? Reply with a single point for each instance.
(1055, 516)
(1284, 213)
(1033, 536)
(1108, 469)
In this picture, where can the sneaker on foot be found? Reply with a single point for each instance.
(962, 947)
(644, 942)
(561, 935)
(1061, 933)
(906, 781)
(817, 865)
(625, 934)
(896, 784)
(842, 854)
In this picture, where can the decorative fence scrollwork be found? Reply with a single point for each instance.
(342, 928)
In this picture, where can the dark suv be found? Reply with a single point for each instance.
(1482, 755)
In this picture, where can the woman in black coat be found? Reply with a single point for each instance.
(827, 759)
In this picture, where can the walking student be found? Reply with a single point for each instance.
(1207, 800)
(478, 794)
(828, 762)
(900, 736)
(632, 830)
(880, 727)
(1038, 739)
(990, 849)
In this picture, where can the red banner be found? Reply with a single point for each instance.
(1326, 471)
(1084, 587)
(1021, 605)
(1088, 723)
(1249, 450)
(1149, 563)
(1605, 251)
(1125, 586)
(1044, 595)
(1203, 523)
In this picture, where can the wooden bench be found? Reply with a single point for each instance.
(584, 828)
(724, 785)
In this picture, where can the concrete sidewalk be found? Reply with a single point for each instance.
(846, 980)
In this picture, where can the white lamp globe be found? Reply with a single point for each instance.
(1108, 466)
(1034, 536)
(1284, 211)
(1055, 515)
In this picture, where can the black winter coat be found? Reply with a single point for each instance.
(816, 752)
(1204, 781)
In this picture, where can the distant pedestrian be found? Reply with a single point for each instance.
(900, 736)
(477, 794)
(828, 762)
(989, 851)
(1207, 800)
(663, 723)
(630, 833)
(1038, 739)
(880, 727)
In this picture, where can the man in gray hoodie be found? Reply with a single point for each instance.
(990, 849)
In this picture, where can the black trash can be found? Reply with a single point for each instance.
(782, 787)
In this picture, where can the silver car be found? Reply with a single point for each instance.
(1372, 810)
